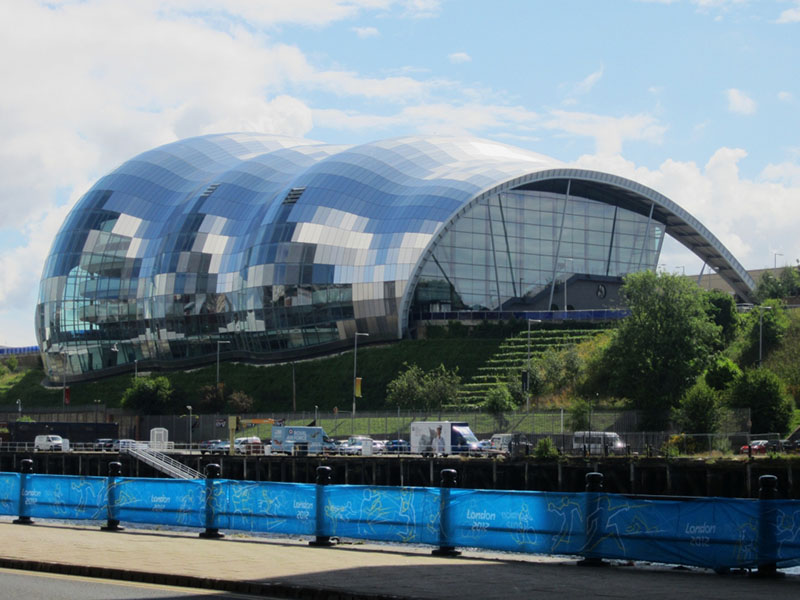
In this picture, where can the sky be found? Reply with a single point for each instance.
(697, 99)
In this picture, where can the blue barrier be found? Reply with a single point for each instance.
(715, 533)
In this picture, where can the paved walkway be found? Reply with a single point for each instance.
(290, 568)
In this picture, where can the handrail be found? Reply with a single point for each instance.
(163, 463)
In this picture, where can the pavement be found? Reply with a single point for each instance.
(290, 568)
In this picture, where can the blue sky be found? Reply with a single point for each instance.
(698, 99)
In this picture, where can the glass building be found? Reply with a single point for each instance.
(271, 248)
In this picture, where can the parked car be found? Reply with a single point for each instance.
(755, 447)
(48, 443)
(221, 447)
(355, 445)
(397, 447)
(102, 444)
(206, 445)
(248, 445)
(118, 445)
(378, 446)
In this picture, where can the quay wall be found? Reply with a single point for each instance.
(658, 476)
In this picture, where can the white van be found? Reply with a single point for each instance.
(48, 443)
(596, 442)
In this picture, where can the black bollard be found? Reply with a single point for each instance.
(447, 481)
(594, 485)
(213, 471)
(114, 471)
(323, 479)
(26, 469)
(767, 524)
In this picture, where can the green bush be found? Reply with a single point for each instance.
(545, 448)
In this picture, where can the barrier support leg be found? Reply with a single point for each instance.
(213, 471)
(323, 479)
(114, 471)
(26, 468)
(447, 481)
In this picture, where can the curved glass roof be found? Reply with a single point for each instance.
(272, 244)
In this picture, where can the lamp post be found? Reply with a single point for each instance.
(761, 310)
(775, 259)
(316, 409)
(218, 345)
(136, 368)
(355, 362)
(528, 366)
(19, 407)
(189, 408)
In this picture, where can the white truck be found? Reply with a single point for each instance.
(431, 438)
(288, 439)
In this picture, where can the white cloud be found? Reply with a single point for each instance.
(366, 32)
(790, 15)
(747, 216)
(459, 57)
(609, 133)
(585, 86)
(785, 96)
(739, 102)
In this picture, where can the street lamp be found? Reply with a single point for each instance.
(761, 310)
(136, 368)
(189, 408)
(218, 344)
(316, 408)
(528, 367)
(355, 362)
(19, 406)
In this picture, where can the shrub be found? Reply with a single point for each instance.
(545, 448)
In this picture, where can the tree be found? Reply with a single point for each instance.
(667, 341)
(765, 326)
(580, 415)
(239, 402)
(763, 392)
(498, 401)
(786, 284)
(700, 409)
(441, 387)
(148, 395)
(721, 309)
(721, 373)
(212, 399)
(12, 363)
(406, 390)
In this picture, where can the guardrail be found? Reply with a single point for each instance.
(715, 533)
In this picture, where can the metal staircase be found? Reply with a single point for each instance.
(163, 463)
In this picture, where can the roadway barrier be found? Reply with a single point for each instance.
(715, 533)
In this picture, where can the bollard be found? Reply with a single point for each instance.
(114, 471)
(767, 525)
(447, 481)
(26, 469)
(323, 479)
(213, 472)
(594, 485)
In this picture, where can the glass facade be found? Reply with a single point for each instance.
(279, 247)
(515, 244)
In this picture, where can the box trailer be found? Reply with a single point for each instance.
(431, 438)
